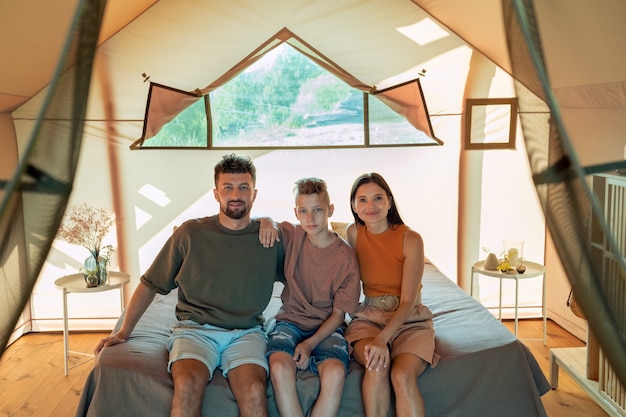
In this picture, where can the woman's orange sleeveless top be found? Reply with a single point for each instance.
(381, 260)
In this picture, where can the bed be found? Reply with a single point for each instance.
(484, 370)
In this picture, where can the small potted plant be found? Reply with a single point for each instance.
(86, 226)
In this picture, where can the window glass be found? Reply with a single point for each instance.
(188, 129)
(286, 100)
(386, 127)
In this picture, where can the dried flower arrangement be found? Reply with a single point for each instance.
(86, 226)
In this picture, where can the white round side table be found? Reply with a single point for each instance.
(533, 270)
(75, 283)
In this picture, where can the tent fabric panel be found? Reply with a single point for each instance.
(408, 100)
(35, 198)
(586, 46)
(479, 23)
(607, 96)
(164, 104)
(569, 202)
(32, 38)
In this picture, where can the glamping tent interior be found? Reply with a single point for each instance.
(470, 180)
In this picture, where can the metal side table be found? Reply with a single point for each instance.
(75, 283)
(533, 270)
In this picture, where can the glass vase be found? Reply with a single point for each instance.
(103, 272)
(91, 272)
(514, 252)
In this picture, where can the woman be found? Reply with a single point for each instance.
(391, 334)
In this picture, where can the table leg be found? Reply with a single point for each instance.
(543, 309)
(500, 303)
(554, 372)
(65, 334)
(122, 299)
(516, 303)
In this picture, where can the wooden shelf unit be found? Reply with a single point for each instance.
(588, 366)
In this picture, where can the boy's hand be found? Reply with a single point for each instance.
(268, 232)
(301, 355)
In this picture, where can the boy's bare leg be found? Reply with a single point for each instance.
(283, 375)
(332, 377)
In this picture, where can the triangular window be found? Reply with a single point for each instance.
(286, 95)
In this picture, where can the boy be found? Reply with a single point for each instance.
(322, 284)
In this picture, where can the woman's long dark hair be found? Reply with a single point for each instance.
(393, 216)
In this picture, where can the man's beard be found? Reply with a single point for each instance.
(235, 213)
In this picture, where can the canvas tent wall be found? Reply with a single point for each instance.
(181, 43)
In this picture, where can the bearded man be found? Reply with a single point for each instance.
(225, 274)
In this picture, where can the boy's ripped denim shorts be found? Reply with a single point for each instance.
(285, 336)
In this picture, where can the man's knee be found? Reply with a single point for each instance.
(190, 372)
(248, 377)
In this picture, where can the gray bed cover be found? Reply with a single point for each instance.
(484, 370)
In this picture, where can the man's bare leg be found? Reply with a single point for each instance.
(248, 384)
(190, 379)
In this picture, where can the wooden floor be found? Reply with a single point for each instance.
(32, 381)
(568, 400)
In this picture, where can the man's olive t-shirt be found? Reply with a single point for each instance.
(224, 277)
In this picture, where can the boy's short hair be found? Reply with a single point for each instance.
(235, 164)
(311, 185)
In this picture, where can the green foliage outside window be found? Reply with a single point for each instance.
(188, 129)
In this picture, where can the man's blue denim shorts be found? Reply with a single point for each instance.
(217, 347)
(285, 336)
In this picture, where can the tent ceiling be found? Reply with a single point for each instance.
(355, 32)
(33, 34)
(187, 44)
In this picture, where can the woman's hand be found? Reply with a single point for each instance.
(377, 354)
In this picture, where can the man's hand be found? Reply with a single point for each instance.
(111, 340)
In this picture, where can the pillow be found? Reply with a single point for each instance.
(340, 229)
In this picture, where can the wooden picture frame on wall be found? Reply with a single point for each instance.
(485, 118)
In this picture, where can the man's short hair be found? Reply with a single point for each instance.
(235, 164)
(311, 185)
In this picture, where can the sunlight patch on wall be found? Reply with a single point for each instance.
(423, 32)
(141, 218)
(154, 194)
